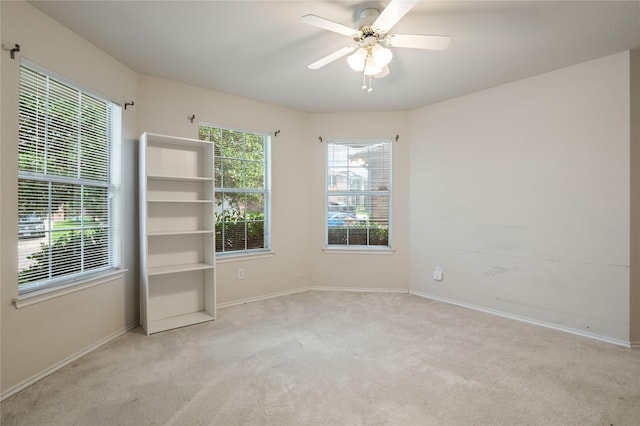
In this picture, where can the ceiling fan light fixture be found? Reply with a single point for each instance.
(381, 56)
(368, 55)
(385, 72)
(357, 60)
(370, 67)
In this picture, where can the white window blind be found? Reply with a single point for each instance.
(358, 193)
(241, 167)
(68, 182)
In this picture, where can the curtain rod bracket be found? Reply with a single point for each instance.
(276, 133)
(13, 51)
(320, 139)
(192, 117)
(397, 137)
(126, 104)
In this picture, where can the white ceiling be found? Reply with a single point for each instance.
(260, 50)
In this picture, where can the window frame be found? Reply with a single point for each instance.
(355, 248)
(70, 282)
(266, 193)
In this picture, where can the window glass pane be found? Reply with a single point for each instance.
(254, 147)
(65, 203)
(32, 198)
(217, 170)
(255, 205)
(255, 220)
(220, 236)
(337, 235)
(254, 174)
(66, 191)
(358, 193)
(233, 220)
(232, 144)
(241, 185)
(66, 232)
(32, 229)
(62, 158)
(94, 149)
(219, 215)
(377, 210)
(234, 205)
(96, 206)
(31, 147)
(218, 208)
(96, 246)
(378, 220)
(33, 262)
(235, 236)
(66, 253)
(232, 173)
(255, 234)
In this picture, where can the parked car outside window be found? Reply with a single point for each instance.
(30, 226)
(341, 219)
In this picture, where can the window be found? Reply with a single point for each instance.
(241, 167)
(358, 193)
(68, 182)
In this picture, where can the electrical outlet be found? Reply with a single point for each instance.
(437, 273)
(241, 273)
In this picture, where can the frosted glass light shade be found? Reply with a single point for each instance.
(381, 56)
(357, 60)
(370, 67)
(385, 72)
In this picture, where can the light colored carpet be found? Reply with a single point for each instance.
(335, 358)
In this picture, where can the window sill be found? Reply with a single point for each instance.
(32, 298)
(240, 257)
(358, 250)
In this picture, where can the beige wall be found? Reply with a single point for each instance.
(164, 107)
(634, 295)
(1, 194)
(521, 194)
(37, 337)
(345, 270)
(298, 187)
(41, 336)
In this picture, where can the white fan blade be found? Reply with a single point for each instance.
(391, 14)
(333, 56)
(326, 24)
(416, 41)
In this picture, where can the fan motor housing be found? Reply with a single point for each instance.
(365, 25)
(367, 31)
(367, 17)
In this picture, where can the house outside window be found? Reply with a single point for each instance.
(242, 186)
(358, 194)
(68, 182)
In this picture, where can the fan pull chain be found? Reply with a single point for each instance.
(369, 87)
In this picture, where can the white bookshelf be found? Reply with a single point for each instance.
(177, 257)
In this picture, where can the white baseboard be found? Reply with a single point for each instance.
(307, 288)
(37, 377)
(359, 289)
(581, 333)
(263, 297)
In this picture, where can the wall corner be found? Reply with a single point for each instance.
(634, 143)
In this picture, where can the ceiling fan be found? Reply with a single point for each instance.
(370, 56)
